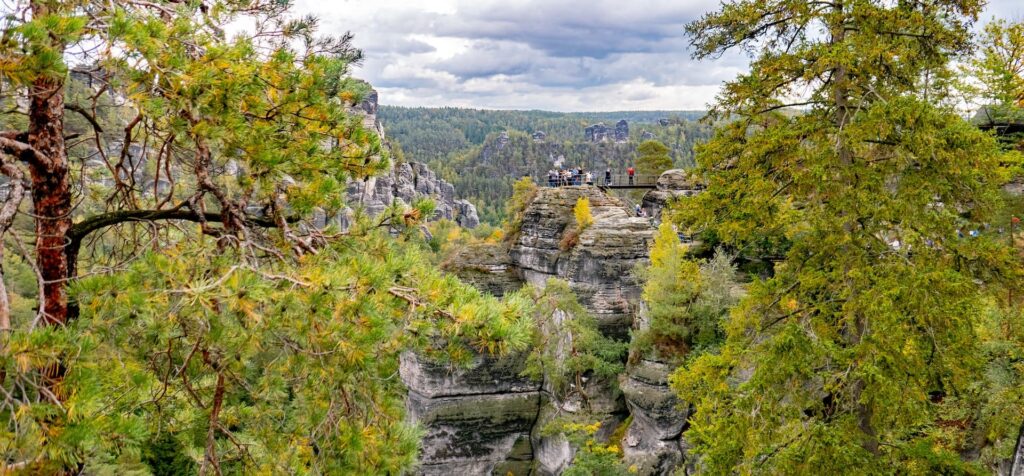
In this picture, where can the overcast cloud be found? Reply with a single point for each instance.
(559, 55)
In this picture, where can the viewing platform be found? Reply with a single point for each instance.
(647, 181)
(617, 182)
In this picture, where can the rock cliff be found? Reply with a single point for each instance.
(404, 183)
(487, 419)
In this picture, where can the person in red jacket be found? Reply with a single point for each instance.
(630, 171)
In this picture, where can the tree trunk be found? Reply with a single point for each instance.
(51, 189)
(51, 195)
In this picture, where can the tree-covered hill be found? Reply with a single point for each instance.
(483, 151)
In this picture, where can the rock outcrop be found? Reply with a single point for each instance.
(477, 420)
(622, 132)
(487, 419)
(404, 183)
(596, 133)
(599, 268)
(671, 184)
(653, 440)
(488, 267)
(1017, 463)
(602, 133)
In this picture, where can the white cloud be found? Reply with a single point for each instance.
(565, 55)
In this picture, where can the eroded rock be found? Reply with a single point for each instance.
(671, 185)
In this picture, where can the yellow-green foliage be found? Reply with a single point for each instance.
(582, 220)
(523, 193)
(304, 354)
(840, 361)
(593, 457)
(653, 158)
(263, 351)
(686, 300)
(560, 321)
(582, 214)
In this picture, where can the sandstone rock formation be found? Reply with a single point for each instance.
(653, 440)
(596, 133)
(671, 185)
(487, 419)
(404, 183)
(488, 267)
(622, 131)
(599, 268)
(1017, 464)
(478, 420)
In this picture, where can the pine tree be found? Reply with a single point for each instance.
(838, 362)
(217, 327)
(652, 158)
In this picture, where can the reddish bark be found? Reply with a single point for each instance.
(51, 194)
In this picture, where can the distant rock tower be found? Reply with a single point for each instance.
(596, 133)
(622, 132)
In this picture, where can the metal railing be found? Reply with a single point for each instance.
(601, 180)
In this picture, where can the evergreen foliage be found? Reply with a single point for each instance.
(652, 158)
(686, 301)
(841, 360)
(216, 328)
(567, 348)
(592, 458)
(998, 69)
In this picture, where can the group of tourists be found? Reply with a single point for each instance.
(580, 176)
(570, 177)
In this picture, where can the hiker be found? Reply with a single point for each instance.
(638, 209)
(630, 171)
(590, 178)
(608, 176)
(552, 178)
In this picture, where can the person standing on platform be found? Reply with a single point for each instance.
(630, 171)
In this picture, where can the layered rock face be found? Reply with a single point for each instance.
(488, 267)
(404, 183)
(487, 419)
(671, 184)
(653, 441)
(602, 133)
(478, 420)
(599, 268)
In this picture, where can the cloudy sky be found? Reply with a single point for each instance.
(559, 55)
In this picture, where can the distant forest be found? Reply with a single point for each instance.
(467, 148)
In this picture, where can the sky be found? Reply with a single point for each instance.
(555, 55)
